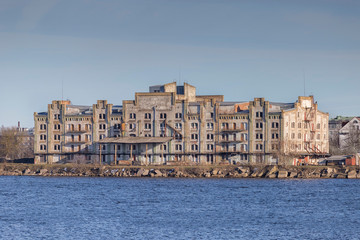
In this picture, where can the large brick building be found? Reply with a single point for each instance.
(172, 123)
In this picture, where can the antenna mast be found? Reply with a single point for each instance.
(304, 82)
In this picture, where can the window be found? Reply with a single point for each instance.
(275, 147)
(147, 126)
(56, 116)
(102, 126)
(102, 136)
(147, 115)
(259, 146)
(210, 126)
(42, 137)
(318, 137)
(292, 135)
(56, 137)
(259, 125)
(42, 126)
(88, 137)
(56, 147)
(132, 126)
(194, 147)
(210, 136)
(178, 115)
(212, 115)
(57, 127)
(132, 116)
(162, 115)
(292, 124)
(275, 136)
(177, 136)
(259, 136)
(225, 126)
(194, 136)
(210, 147)
(147, 135)
(42, 147)
(299, 125)
(318, 126)
(259, 114)
(178, 125)
(132, 146)
(194, 125)
(163, 147)
(244, 147)
(299, 135)
(178, 147)
(244, 137)
(102, 116)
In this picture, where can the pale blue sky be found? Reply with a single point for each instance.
(113, 48)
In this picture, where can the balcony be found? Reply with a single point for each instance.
(225, 140)
(232, 151)
(77, 130)
(74, 142)
(229, 129)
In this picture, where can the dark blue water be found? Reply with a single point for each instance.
(117, 208)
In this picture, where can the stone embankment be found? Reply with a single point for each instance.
(182, 171)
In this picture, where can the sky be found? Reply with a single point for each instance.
(85, 50)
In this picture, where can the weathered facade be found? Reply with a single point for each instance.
(171, 123)
(345, 134)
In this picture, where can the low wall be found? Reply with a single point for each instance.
(229, 171)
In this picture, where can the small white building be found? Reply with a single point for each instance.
(349, 135)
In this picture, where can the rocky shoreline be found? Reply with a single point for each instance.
(248, 171)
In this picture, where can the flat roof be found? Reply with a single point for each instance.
(135, 140)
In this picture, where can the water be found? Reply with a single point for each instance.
(119, 208)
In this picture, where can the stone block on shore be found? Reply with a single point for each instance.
(272, 175)
(340, 175)
(158, 173)
(293, 175)
(242, 170)
(352, 174)
(43, 171)
(282, 174)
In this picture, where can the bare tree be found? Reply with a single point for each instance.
(283, 154)
(15, 144)
(352, 141)
(334, 144)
